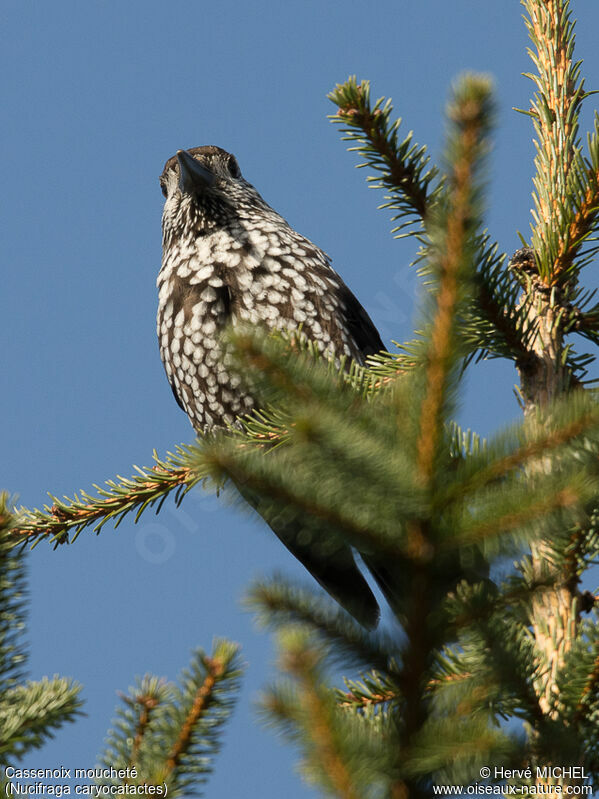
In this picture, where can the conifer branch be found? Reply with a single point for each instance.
(278, 605)
(170, 732)
(562, 219)
(569, 497)
(222, 463)
(551, 432)
(215, 668)
(565, 191)
(470, 114)
(65, 519)
(374, 692)
(590, 689)
(404, 167)
(147, 702)
(585, 217)
(31, 713)
(496, 300)
(12, 603)
(355, 700)
(301, 662)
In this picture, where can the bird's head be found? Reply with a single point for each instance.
(204, 190)
(193, 172)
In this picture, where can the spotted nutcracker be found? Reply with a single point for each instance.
(227, 256)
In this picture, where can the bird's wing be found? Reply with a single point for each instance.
(338, 304)
(360, 325)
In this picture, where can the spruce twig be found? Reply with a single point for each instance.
(470, 113)
(562, 219)
(62, 521)
(30, 712)
(215, 668)
(170, 732)
(404, 167)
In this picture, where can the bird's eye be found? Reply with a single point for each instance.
(163, 188)
(233, 167)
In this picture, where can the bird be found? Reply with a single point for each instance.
(228, 257)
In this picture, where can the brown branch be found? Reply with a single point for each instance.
(582, 224)
(502, 321)
(438, 360)
(59, 520)
(531, 450)
(590, 688)
(401, 175)
(566, 498)
(215, 668)
(148, 703)
(442, 331)
(352, 699)
(301, 664)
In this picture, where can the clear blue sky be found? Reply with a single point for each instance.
(96, 96)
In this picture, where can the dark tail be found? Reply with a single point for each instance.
(328, 559)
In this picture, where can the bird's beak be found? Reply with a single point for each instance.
(193, 177)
